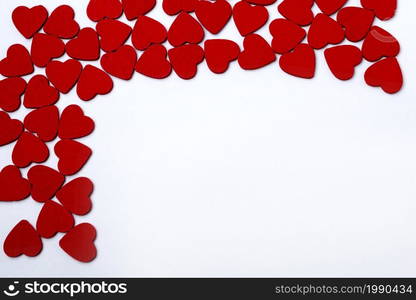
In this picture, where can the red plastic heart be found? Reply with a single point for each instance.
(249, 18)
(386, 74)
(85, 46)
(72, 156)
(301, 62)
(173, 7)
(113, 34)
(298, 11)
(17, 62)
(74, 124)
(257, 53)
(100, 9)
(185, 60)
(28, 21)
(384, 9)
(29, 149)
(379, 43)
(79, 242)
(342, 60)
(93, 82)
(13, 187)
(153, 63)
(135, 8)
(10, 129)
(43, 122)
(11, 90)
(324, 31)
(185, 29)
(53, 218)
(22, 239)
(64, 75)
(45, 182)
(286, 35)
(39, 93)
(146, 32)
(120, 63)
(356, 21)
(213, 15)
(220, 53)
(75, 196)
(61, 23)
(44, 48)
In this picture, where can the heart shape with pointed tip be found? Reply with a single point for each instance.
(13, 187)
(75, 196)
(153, 63)
(72, 156)
(45, 182)
(22, 240)
(53, 218)
(79, 242)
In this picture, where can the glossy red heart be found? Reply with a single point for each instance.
(29, 20)
(185, 29)
(11, 90)
(324, 31)
(10, 129)
(39, 93)
(13, 187)
(386, 74)
(153, 62)
(113, 34)
(330, 7)
(93, 82)
(300, 62)
(135, 8)
(213, 15)
(286, 35)
(146, 32)
(249, 18)
(120, 63)
(44, 48)
(257, 53)
(53, 218)
(379, 43)
(298, 11)
(23, 239)
(85, 46)
(61, 23)
(100, 9)
(43, 122)
(72, 156)
(74, 124)
(185, 60)
(384, 9)
(356, 21)
(29, 149)
(342, 60)
(17, 62)
(75, 196)
(64, 75)
(220, 53)
(173, 7)
(45, 182)
(79, 242)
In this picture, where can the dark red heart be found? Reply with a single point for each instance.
(85, 46)
(330, 7)
(11, 90)
(75, 196)
(185, 60)
(29, 20)
(100, 9)
(146, 32)
(74, 124)
(213, 15)
(298, 11)
(113, 34)
(29, 149)
(120, 63)
(261, 2)
(17, 62)
(384, 9)
(173, 7)
(93, 82)
(379, 43)
(249, 18)
(300, 62)
(386, 74)
(135, 8)
(43, 122)
(72, 156)
(53, 218)
(23, 239)
(257, 53)
(356, 21)
(64, 75)
(61, 23)
(45, 182)
(153, 62)
(220, 53)
(79, 242)
(39, 93)
(342, 60)
(44, 48)
(185, 29)
(286, 35)
(324, 31)
(10, 129)
(13, 187)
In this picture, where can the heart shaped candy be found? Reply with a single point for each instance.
(386, 74)
(29, 149)
(135, 8)
(213, 15)
(44, 48)
(17, 62)
(300, 62)
(324, 31)
(286, 35)
(146, 32)
(249, 18)
(10, 129)
(74, 124)
(45, 182)
(257, 53)
(75, 196)
(379, 43)
(39, 93)
(61, 23)
(100, 9)
(93, 82)
(120, 63)
(11, 90)
(64, 75)
(220, 53)
(185, 29)
(113, 34)
(79, 242)
(53, 218)
(153, 62)
(185, 60)
(85, 46)
(23, 239)
(28, 21)
(72, 156)
(13, 187)
(342, 60)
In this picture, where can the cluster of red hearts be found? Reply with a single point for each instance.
(45, 123)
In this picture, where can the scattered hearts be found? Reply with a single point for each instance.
(113, 34)
(44, 48)
(75, 196)
(386, 74)
(11, 90)
(300, 62)
(72, 156)
(379, 43)
(220, 53)
(146, 32)
(53, 218)
(13, 187)
(10, 129)
(93, 82)
(100, 9)
(22, 240)
(384, 9)
(185, 29)
(61, 23)
(185, 60)
(85, 46)
(29, 149)
(248, 18)
(120, 63)
(74, 124)
(153, 63)
(28, 21)
(257, 53)
(213, 15)
(330, 7)
(17, 62)
(135, 8)
(79, 242)
(39, 93)
(286, 35)
(43, 122)
(356, 21)
(63, 75)
(324, 31)
(298, 11)
(45, 182)
(173, 7)
(342, 60)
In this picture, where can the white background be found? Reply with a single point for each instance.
(250, 173)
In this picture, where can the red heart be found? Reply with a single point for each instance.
(323, 31)
(342, 60)
(386, 74)
(44, 48)
(11, 89)
(213, 15)
(384, 9)
(249, 18)
(10, 129)
(53, 218)
(29, 149)
(45, 182)
(286, 35)
(61, 23)
(72, 156)
(93, 82)
(298, 11)
(261, 2)
(185, 60)
(100, 9)
(153, 62)
(330, 7)
(173, 7)
(75, 196)
(220, 53)
(120, 63)
(74, 124)
(29, 20)
(39, 93)
(379, 43)
(113, 34)
(79, 242)
(44, 122)
(300, 62)
(357, 22)
(146, 32)
(64, 75)
(136, 8)
(257, 53)
(84, 47)
(23, 239)
(17, 62)
(13, 187)
(185, 29)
